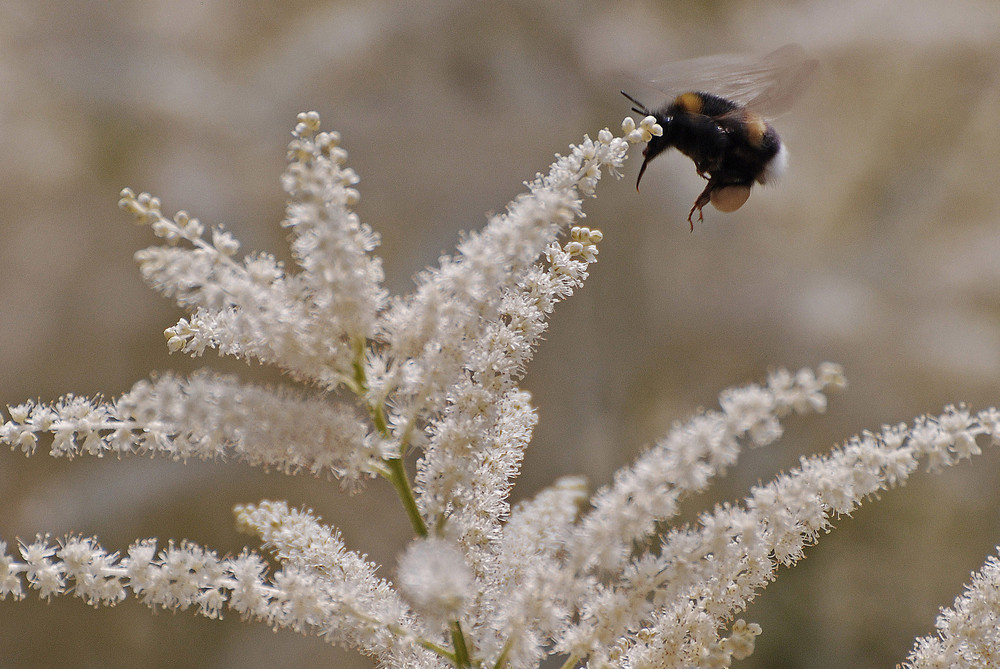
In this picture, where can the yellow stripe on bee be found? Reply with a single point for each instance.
(689, 102)
(756, 127)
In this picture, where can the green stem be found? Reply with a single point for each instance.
(462, 660)
(570, 662)
(378, 417)
(502, 659)
(358, 384)
(360, 379)
(394, 470)
(397, 476)
(437, 650)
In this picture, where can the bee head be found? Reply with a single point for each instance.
(656, 144)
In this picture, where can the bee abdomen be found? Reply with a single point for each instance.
(776, 166)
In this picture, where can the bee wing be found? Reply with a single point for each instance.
(767, 84)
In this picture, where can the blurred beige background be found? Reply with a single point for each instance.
(880, 250)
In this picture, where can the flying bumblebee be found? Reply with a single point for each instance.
(720, 122)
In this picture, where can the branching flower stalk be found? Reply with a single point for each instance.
(431, 378)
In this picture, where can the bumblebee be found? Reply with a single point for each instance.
(725, 132)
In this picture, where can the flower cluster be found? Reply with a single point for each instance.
(433, 376)
(969, 633)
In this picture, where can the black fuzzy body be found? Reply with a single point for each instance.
(730, 146)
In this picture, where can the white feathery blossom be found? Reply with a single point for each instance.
(480, 501)
(429, 380)
(10, 571)
(310, 323)
(354, 607)
(523, 605)
(969, 632)
(328, 240)
(717, 568)
(692, 453)
(435, 579)
(204, 416)
(434, 371)
(485, 420)
(342, 601)
(433, 333)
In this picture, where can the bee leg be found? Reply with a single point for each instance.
(699, 204)
(701, 217)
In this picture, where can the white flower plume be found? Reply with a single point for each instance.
(430, 380)
(204, 416)
(969, 632)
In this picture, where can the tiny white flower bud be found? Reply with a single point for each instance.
(224, 242)
(650, 125)
(164, 229)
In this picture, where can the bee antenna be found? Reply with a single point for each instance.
(639, 107)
